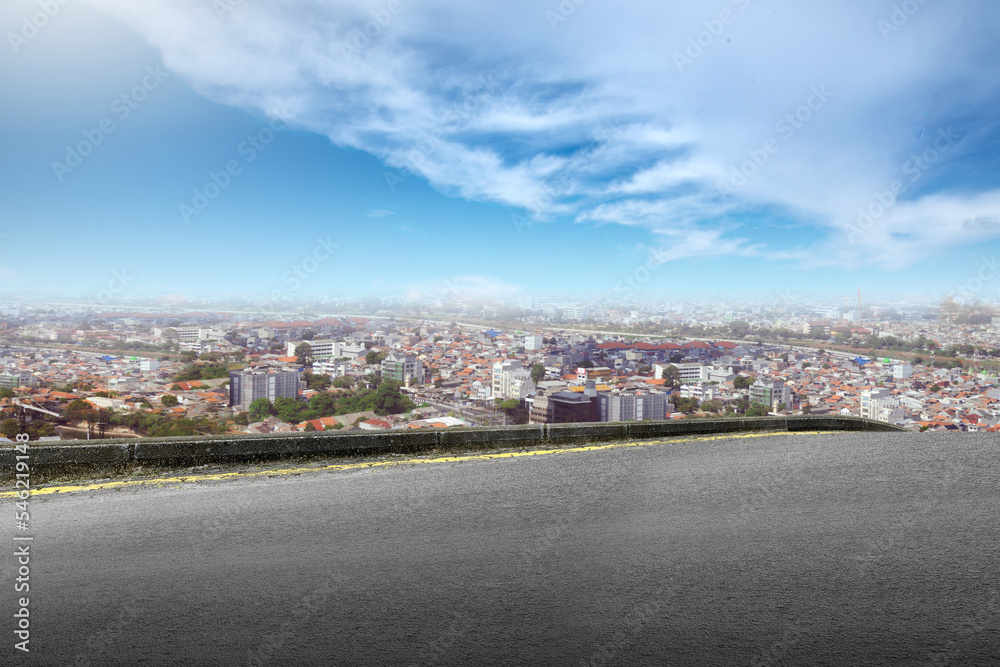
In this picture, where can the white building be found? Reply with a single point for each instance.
(511, 380)
(149, 365)
(481, 391)
(327, 348)
(700, 391)
(533, 342)
(334, 368)
(880, 404)
(685, 372)
(901, 371)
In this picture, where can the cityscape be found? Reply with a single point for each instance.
(135, 372)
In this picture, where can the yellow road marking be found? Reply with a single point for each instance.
(46, 490)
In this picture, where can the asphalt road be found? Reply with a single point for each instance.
(846, 549)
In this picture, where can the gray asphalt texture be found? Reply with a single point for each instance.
(841, 549)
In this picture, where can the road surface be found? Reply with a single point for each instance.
(838, 549)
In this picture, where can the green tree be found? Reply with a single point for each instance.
(303, 353)
(345, 382)
(169, 401)
(712, 406)
(686, 405)
(757, 410)
(6, 393)
(309, 427)
(935, 388)
(739, 329)
(671, 375)
(288, 409)
(261, 409)
(10, 428)
(537, 372)
(742, 382)
(242, 418)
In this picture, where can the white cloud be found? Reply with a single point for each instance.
(593, 119)
(379, 213)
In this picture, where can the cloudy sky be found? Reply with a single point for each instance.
(414, 147)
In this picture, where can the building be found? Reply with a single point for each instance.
(248, 385)
(404, 369)
(511, 380)
(326, 348)
(632, 406)
(563, 407)
(685, 372)
(880, 404)
(15, 379)
(574, 312)
(597, 373)
(701, 391)
(149, 365)
(335, 368)
(533, 342)
(771, 393)
(902, 371)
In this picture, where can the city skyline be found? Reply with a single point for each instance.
(424, 150)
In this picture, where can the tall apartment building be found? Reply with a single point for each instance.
(403, 369)
(533, 342)
(511, 380)
(248, 385)
(770, 393)
(632, 406)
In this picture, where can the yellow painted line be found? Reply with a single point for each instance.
(46, 490)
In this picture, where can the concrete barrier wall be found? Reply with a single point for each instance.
(206, 449)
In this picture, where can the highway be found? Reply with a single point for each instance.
(781, 549)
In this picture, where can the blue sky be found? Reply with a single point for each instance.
(499, 148)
